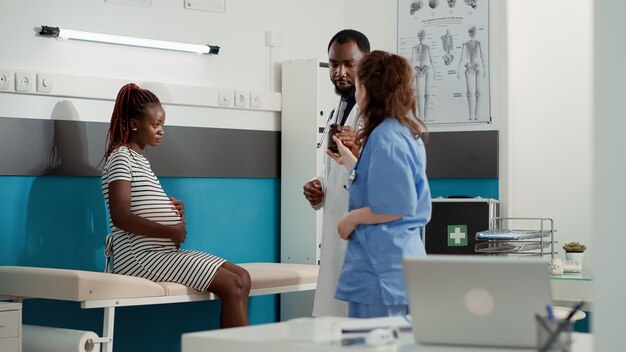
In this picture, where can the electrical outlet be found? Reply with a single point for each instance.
(44, 82)
(23, 82)
(241, 98)
(225, 97)
(255, 100)
(5, 80)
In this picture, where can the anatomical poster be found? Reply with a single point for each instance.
(447, 44)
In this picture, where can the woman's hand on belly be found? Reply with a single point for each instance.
(179, 233)
(178, 206)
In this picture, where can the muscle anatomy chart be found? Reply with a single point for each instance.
(448, 47)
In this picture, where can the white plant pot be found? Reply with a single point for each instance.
(574, 256)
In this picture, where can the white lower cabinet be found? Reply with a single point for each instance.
(10, 327)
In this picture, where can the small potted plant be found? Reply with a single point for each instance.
(574, 251)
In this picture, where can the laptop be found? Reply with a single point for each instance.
(476, 300)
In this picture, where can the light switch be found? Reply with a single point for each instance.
(255, 100)
(5, 80)
(241, 98)
(225, 97)
(23, 82)
(44, 82)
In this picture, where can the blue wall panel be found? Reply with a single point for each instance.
(61, 222)
(472, 187)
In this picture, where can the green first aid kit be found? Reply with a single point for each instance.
(454, 223)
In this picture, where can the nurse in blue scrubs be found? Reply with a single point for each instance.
(389, 197)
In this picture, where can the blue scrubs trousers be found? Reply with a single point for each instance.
(359, 310)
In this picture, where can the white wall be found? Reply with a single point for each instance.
(244, 61)
(240, 32)
(550, 114)
(376, 19)
(608, 176)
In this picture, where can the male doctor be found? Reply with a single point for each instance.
(328, 190)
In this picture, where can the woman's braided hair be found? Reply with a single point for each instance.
(130, 103)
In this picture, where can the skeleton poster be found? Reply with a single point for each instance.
(447, 44)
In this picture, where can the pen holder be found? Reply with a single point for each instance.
(553, 335)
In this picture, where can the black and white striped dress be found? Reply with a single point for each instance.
(153, 258)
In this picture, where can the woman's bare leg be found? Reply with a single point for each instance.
(245, 277)
(232, 286)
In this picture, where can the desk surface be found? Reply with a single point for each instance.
(275, 338)
(582, 276)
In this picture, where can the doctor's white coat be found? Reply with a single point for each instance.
(335, 206)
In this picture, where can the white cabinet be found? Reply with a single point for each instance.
(307, 99)
(10, 327)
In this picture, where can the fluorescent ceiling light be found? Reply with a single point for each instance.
(63, 33)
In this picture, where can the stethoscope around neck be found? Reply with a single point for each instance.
(321, 140)
(352, 175)
(328, 123)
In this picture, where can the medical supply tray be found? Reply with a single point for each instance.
(503, 238)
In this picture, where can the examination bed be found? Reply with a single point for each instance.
(108, 291)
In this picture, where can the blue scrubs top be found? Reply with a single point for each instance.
(390, 178)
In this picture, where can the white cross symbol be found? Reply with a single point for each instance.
(457, 235)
